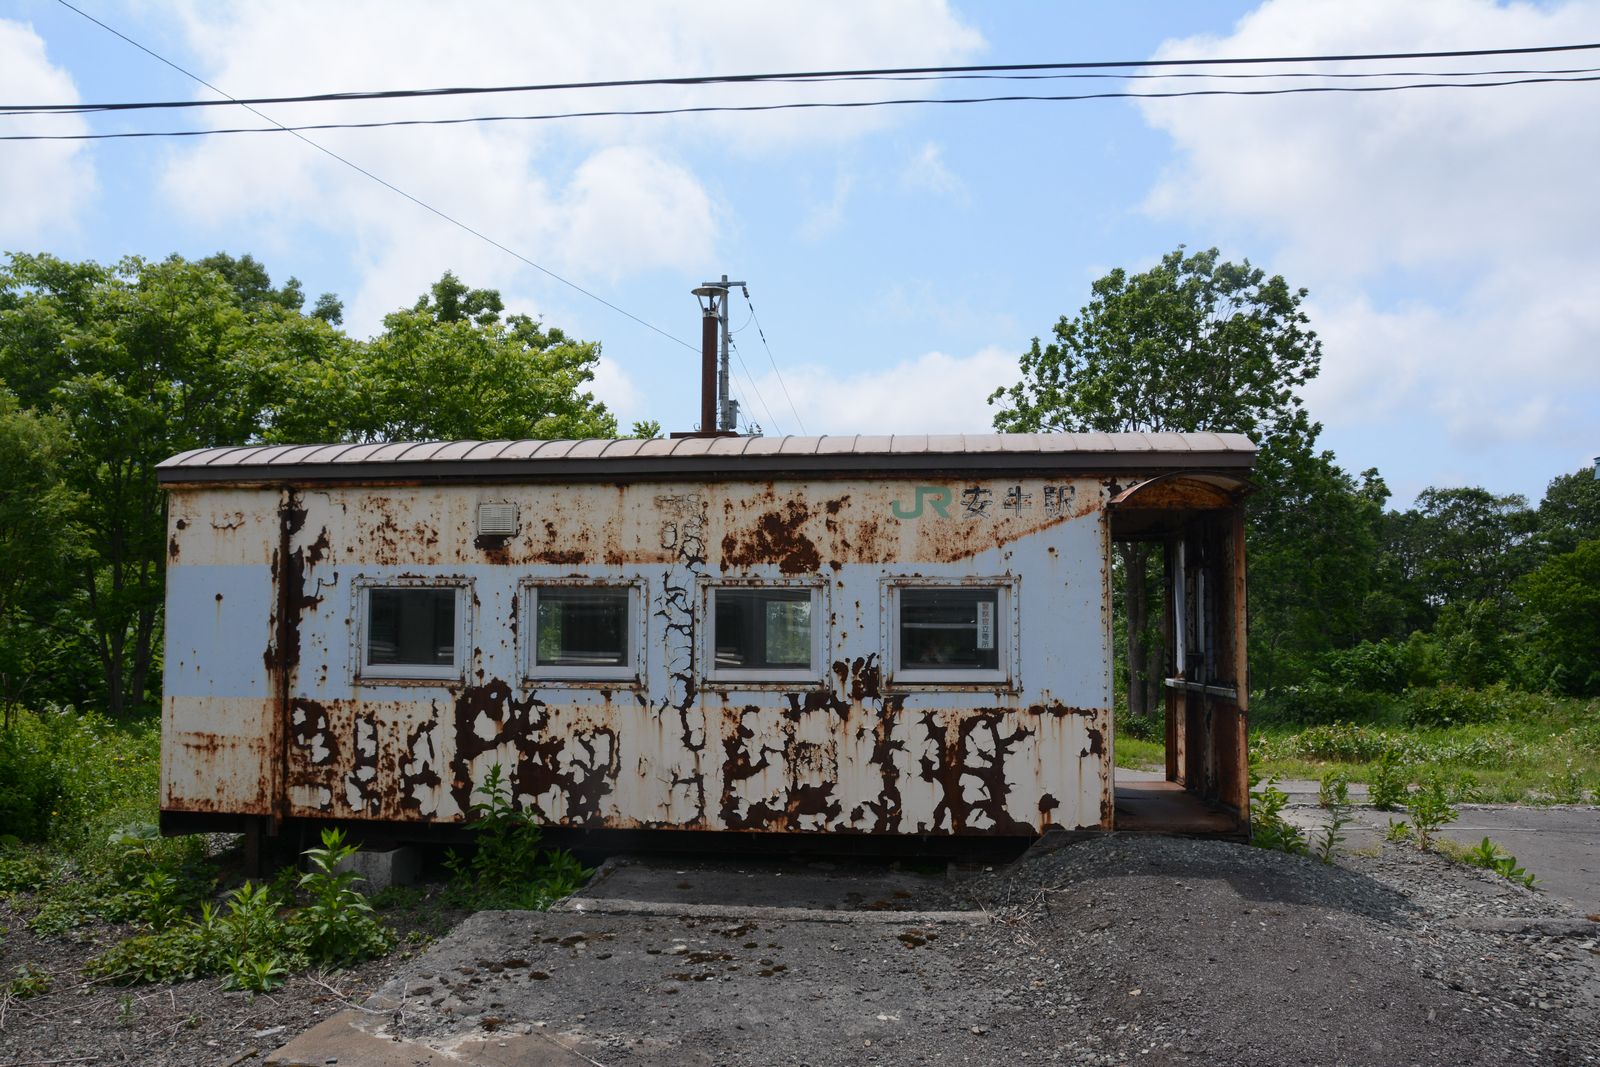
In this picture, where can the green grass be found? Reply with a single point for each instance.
(1549, 757)
(1136, 754)
(1534, 750)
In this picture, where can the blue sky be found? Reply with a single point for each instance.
(900, 258)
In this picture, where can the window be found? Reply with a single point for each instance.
(584, 631)
(763, 633)
(414, 630)
(951, 633)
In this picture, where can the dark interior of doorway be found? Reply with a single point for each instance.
(1179, 550)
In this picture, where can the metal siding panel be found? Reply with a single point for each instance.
(217, 625)
(215, 755)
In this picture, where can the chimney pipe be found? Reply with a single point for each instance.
(710, 324)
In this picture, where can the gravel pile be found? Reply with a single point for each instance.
(1173, 950)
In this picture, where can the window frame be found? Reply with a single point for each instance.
(712, 677)
(1006, 677)
(628, 675)
(366, 673)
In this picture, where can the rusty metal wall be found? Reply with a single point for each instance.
(264, 713)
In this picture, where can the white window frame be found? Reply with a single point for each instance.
(1008, 635)
(411, 673)
(624, 676)
(712, 677)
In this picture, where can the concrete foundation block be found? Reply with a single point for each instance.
(384, 868)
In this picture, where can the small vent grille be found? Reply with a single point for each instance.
(497, 520)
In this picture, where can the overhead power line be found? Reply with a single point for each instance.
(387, 184)
(278, 127)
(773, 360)
(772, 423)
(790, 76)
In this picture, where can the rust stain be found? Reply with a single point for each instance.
(978, 750)
(776, 537)
(579, 764)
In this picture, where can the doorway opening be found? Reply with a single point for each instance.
(1179, 541)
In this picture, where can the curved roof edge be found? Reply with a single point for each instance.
(709, 458)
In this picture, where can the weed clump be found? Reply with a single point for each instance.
(259, 936)
(1268, 827)
(508, 868)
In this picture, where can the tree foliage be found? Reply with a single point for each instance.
(1191, 344)
(39, 545)
(1561, 603)
(1196, 344)
(130, 363)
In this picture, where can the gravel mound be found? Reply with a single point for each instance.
(1184, 951)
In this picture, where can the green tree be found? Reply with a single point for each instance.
(1474, 544)
(140, 360)
(452, 367)
(38, 547)
(136, 361)
(1193, 344)
(1570, 511)
(1561, 620)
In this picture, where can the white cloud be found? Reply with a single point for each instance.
(1478, 204)
(930, 393)
(925, 171)
(44, 184)
(615, 387)
(594, 199)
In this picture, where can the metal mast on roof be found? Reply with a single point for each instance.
(719, 412)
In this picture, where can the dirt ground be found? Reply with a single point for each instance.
(80, 1021)
(1117, 949)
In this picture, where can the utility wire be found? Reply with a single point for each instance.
(805, 76)
(322, 98)
(773, 360)
(95, 109)
(278, 127)
(386, 184)
(772, 422)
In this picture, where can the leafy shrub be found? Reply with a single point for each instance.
(1152, 728)
(1350, 743)
(257, 937)
(508, 869)
(26, 981)
(1430, 809)
(1334, 789)
(1449, 705)
(1372, 667)
(1321, 702)
(1333, 793)
(1341, 741)
(1487, 854)
(1390, 782)
(337, 922)
(1566, 787)
(68, 776)
(1268, 827)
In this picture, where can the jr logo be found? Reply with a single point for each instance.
(935, 496)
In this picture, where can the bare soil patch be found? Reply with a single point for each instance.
(82, 1021)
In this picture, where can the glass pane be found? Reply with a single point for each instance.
(582, 627)
(411, 627)
(762, 629)
(949, 629)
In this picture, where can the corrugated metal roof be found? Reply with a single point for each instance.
(713, 458)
